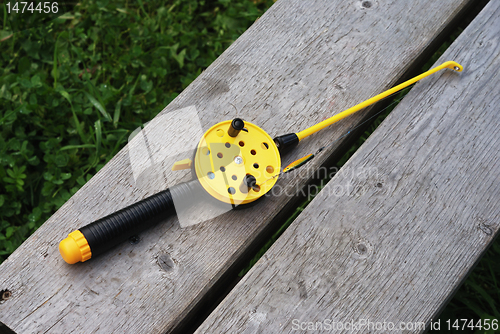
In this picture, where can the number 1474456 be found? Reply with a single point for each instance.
(32, 7)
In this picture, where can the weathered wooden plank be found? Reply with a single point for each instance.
(300, 62)
(394, 233)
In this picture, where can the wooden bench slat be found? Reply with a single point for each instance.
(391, 244)
(299, 63)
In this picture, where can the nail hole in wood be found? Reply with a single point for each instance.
(165, 262)
(366, 4)
(5, 294)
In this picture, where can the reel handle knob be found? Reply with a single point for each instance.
(236, 126)
(249, 182)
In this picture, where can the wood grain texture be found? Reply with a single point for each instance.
(298, 64)
(394, 233)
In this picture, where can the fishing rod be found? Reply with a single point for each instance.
(235, 162)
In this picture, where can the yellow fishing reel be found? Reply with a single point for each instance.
(236, 162)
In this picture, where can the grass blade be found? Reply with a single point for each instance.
(98, 135)
(98, 106)
(116, 116)
(55, 72)
(485, 295)
(70, 147)
(75, 117)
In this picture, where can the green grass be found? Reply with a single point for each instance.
(72, 90)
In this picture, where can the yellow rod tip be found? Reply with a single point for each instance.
(70, 251)
(454, 66)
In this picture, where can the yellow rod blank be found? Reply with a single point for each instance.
(315, 128)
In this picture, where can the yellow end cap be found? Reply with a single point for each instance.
(75, 248)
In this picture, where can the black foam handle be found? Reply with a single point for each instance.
(111, 230)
